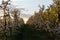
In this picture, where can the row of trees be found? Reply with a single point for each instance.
(43, 25)
(47, 19)
(10, 21)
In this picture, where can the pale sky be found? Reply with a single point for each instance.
(30, 6)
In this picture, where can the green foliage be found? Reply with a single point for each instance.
(43, 25)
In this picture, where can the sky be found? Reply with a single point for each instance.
(30, 6)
